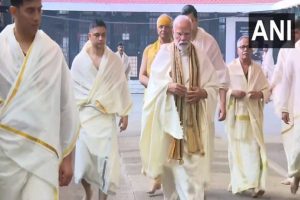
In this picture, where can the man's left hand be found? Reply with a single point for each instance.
(195, 94)
(222, 113)
(255, 94)
(123, 123)
(66, 170)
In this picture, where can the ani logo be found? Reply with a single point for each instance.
(275, 30)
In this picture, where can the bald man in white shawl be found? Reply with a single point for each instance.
(38, 116)
(244, 123)
(290, 108)
(181, 87)
(102, 94)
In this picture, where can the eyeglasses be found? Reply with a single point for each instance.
(244, 47)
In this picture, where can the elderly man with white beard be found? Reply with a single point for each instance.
(181, 87)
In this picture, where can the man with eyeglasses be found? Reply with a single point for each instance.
(175, 119)
(102, 94)
(248, 91)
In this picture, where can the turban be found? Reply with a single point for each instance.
(164, 20)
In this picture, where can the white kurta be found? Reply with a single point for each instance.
(160, 113)
(125, 63)
(38, 116)
(244, 126)
(101, 96)
(289, 90)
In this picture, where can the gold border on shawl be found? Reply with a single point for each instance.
(69, 149)
(230, 103)
(100, 107)
(242, 117)
(55, 193)
(29, 137)
(20, 78)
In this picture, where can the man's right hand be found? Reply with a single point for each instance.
(238, 94)
(285, 117)
(177, 89)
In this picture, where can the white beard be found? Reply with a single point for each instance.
(183, 47)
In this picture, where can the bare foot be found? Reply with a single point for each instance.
(258, 193)
(87, 197)
(88, 190)
(229, 189)
(287, 181)
(156, 186)
(295, 185)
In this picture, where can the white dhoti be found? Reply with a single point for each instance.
(294, 156)
(18, 184)
(288, 102)
(183, 181)
(244, 126)
(246, 174)
(97, 157)
(161, 124)
(38, 117)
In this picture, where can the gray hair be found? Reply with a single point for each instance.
(179, 19)
(240, 39)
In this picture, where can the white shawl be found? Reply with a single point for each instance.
(38, 117)
(160, 118)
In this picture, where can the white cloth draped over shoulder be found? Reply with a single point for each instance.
(244, 125)
(105, 90)
(38, 115)
(160, 119)
(209, 45)
(101, 96)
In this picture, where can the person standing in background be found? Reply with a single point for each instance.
(164, 31)
(248, 91)
(125, 60)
